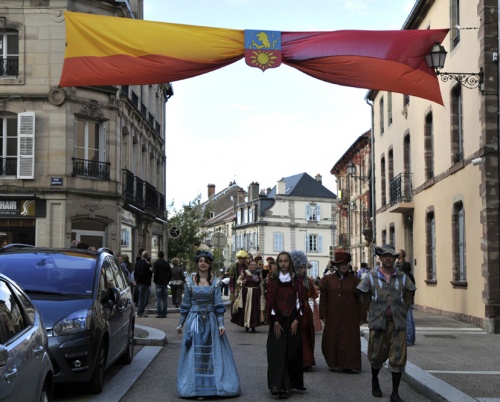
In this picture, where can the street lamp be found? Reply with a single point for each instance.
(351, 170)
(436, 58)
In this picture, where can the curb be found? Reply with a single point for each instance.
(155, 337)
(431, 387)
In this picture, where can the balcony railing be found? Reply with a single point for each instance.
(142, 194)
(139, 191)
(401, 188)
(151, 197)
(9, 66)
(8, 166)
(88, 168)
(128, 185)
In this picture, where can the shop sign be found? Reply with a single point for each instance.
(17, 207)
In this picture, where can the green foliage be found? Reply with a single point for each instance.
(218, 262)
(189, 219)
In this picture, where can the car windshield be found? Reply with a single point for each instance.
(51, 272)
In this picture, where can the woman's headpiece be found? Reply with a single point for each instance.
(205, 254)
(299, 259)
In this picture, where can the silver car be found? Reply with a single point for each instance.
(26, 372)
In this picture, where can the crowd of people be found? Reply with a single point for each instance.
(281, 296)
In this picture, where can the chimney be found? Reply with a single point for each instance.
(241, 196)
(211, 190)
(281, 187)
(253, 191)
(268, 190)
(319, 178)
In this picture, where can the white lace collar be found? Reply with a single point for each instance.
(285, 277)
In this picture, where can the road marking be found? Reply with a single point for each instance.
(464, 372)
(123, 381)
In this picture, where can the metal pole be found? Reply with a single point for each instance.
(349, 213)
(372, 181)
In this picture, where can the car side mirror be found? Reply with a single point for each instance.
(114, 295)
(103, 297)
(4, 355)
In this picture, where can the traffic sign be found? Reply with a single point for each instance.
(174, 232)
(218, 240)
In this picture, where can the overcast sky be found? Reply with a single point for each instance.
(239, 123)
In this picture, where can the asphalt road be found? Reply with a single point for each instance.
(158, 381)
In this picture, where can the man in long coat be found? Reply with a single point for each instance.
(341, 310)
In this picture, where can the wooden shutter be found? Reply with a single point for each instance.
(26, 145)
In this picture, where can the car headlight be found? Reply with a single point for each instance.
(75, 322)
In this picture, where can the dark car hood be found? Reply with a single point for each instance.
(54, 310)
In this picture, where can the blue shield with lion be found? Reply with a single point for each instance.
(262, 49)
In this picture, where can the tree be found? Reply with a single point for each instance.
(189, 219)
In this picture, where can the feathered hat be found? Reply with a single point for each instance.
(299, 259)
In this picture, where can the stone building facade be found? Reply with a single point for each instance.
(354, 211)
(85, 163)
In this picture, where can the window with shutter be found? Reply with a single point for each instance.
(26, 145)
(278, 241)
(8, 146)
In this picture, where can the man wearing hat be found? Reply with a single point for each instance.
(387, 294)
(235, 271)
(341, 310)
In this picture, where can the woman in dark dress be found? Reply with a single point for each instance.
(300, 263)
(285, 296)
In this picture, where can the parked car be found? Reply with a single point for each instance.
(26, 372)
(85, 302)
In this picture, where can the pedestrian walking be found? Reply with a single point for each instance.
(387, 294)
(300, 263)
(250, 304)
(177, 282)
(363, 271)
(285, 295)
(136, 288)
(341, 310)
(235, 271)
(206, 365)
(162, 275)
(400, 260)
(410, 321)
(143, 275)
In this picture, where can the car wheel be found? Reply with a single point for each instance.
(46, 394)
(96, 383)
(128, 354)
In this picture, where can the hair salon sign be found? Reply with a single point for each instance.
(17, 207)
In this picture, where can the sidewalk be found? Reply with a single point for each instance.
(451, 361)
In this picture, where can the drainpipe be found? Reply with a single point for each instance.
(495, 328)
(372, 180)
